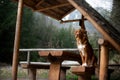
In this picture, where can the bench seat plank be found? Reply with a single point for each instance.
(46, 65)
(32, 66)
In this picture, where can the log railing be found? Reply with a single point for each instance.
(29, 51)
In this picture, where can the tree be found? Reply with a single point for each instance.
(115, 14)
(7, 29)
(7, 26)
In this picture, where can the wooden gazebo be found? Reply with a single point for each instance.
(58, 9)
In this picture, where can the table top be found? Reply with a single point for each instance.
(61, 55)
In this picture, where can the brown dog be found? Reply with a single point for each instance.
(86, 51)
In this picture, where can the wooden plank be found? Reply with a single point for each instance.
(51, 12)
(17, 40)
(53, 6)
(44, 65)
(61, 55)
(50, 49)
(66, 21)
(33, 66)
(52, 53)
(36, 65)
(84, 73)
(82, 70)
(74, 20)
(98, 21)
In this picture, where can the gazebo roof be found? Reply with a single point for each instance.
(56, 9)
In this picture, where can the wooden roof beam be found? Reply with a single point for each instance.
(40, 2)
(54, 6)
(74, 20)
(71, 10)
(67, 21)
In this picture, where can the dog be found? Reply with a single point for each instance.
(85, 49)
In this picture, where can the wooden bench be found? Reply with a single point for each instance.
(84, 73)
(57, 65)
(33, 66)
(56, 57)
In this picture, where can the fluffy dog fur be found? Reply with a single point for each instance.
(86, 51)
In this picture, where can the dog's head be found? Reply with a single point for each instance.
(80, 35)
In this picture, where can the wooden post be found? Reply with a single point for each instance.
(32, 74)
(17, 40)
(63, 74)
(104, 59)
(81, 23)
(54, 72)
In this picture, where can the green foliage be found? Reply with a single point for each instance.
(7, 23)
(46, 35)
(93, 40)
(27, 26)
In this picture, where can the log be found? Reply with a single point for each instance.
(67, 21)
(40, 2)
(104, 59)
(32, 74)
(74, 20)
(17, 40)
(81, 23)
(102, 42)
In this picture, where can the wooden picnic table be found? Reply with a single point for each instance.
(56, 57)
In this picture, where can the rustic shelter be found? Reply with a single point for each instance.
(58, 9)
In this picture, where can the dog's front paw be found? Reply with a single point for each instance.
(84, 64)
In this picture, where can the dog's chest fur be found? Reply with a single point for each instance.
(81, 48)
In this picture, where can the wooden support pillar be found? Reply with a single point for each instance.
(32, 74)
(54, 72)
(63, 74)
(17, 40)
(104, 59)
(81, 23)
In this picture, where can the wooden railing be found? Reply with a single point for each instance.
(48, 49)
